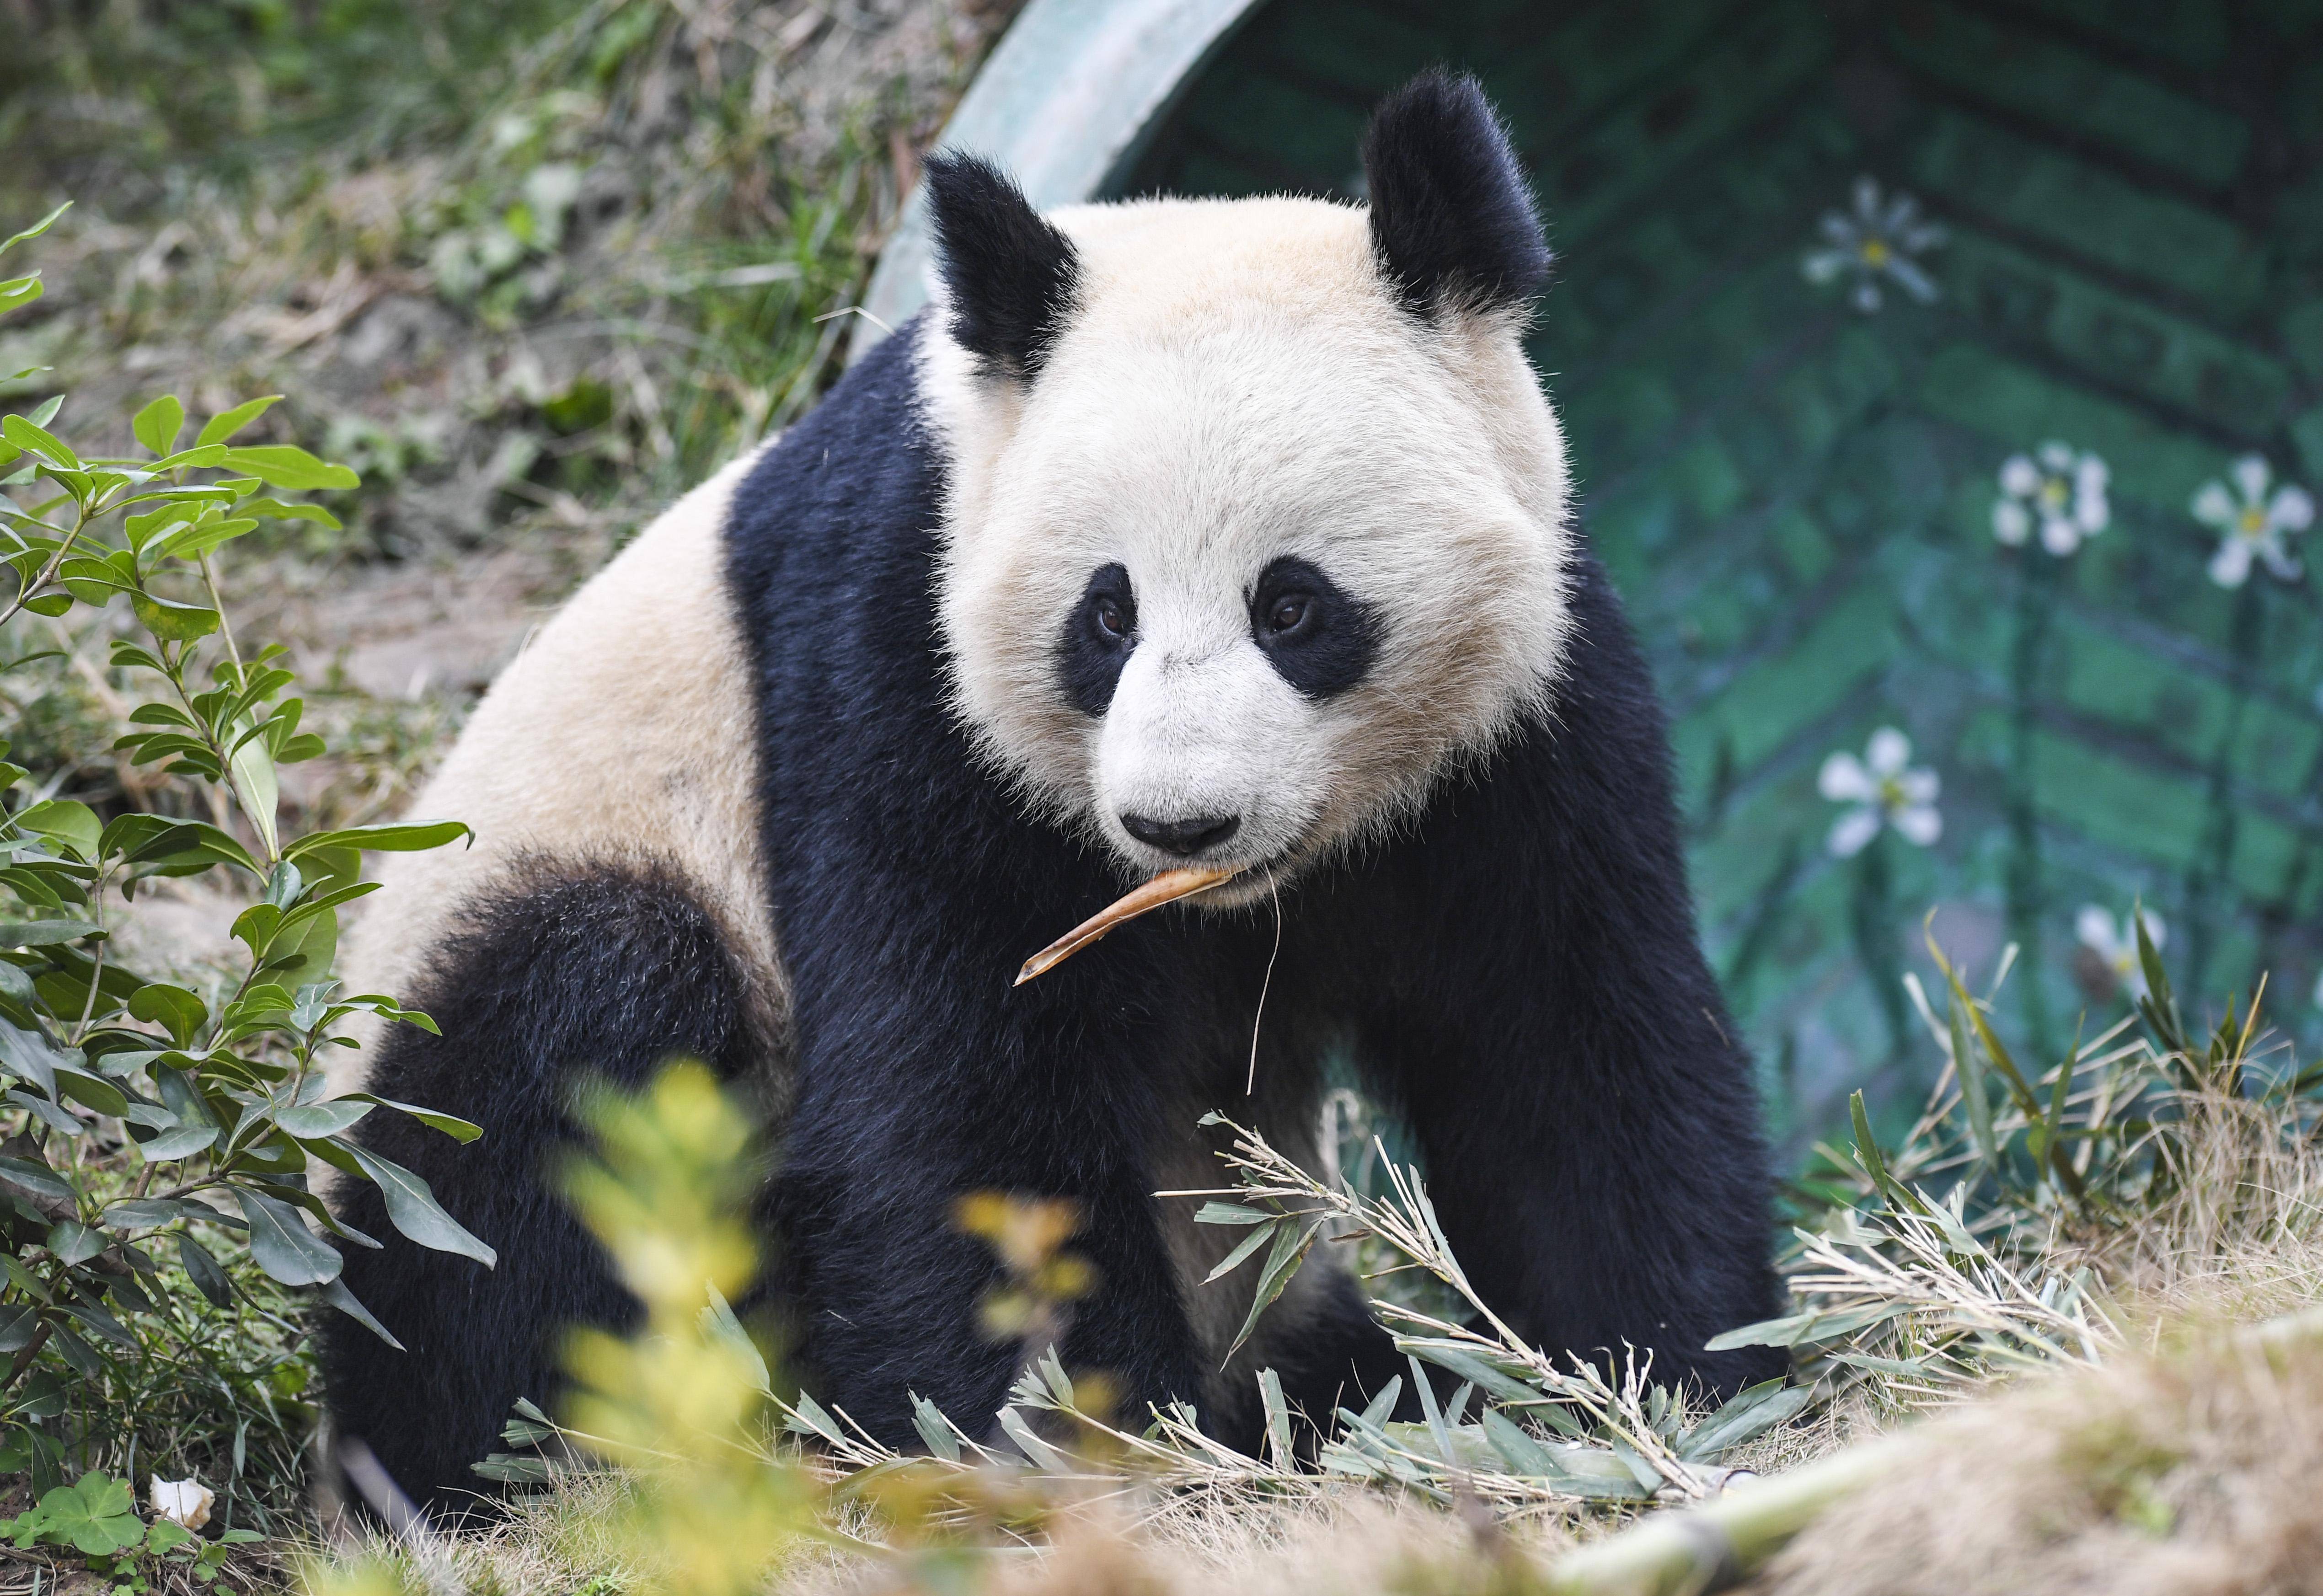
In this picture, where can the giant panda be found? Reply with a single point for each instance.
(1176, 533)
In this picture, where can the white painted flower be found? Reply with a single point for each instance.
(2060, 489)
(1874, 240)
(2115, 942)
(183, 1502)
(1885, 791)
(2254, 522)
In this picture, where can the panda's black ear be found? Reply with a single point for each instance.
(1012, 279)
(1453, 224)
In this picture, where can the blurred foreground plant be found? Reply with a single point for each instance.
(139, 1114)
(684, 1404)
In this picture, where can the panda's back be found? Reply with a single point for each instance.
(620, 739)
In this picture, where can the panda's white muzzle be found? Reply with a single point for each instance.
(1206, 757)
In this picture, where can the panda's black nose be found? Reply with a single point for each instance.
(1183, 838)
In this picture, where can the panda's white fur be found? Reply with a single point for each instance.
(1236, 383)
(622, 734)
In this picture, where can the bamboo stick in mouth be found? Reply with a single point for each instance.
(1167, 887)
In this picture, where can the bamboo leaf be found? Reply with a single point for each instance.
(1290, 1245)
(1243, 1249)
(1278, 1420)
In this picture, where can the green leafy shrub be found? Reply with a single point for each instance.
(155, 1139)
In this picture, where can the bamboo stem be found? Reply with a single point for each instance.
(1691, 1551)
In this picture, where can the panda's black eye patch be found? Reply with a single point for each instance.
(1099, 634)
(1320, 638)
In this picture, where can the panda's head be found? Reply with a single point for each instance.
(1255, 523)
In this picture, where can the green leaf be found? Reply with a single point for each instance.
(1522, 1453)
(1278, 1419)
(1749, 1413)
(1290, 1245)
(412, 1208)
(92, 1092)
(1042, 1455)
(77, 1351)
(205, 457)
(36, 229)
(35, 439)
(281, 1244)
(410, 836)
(719, 1323)
(75, 825)
(18, 292)
(251, 770)
(43, 933)
(1469, 1366)
(285, 465)
(182, 1143)
(18, 1321)
(1806, 1329)
(35, 1178)
(176, 1010)
(171, 622)
(204, 1271)
(30, 1055)
(1257, 1238)
(276, 509)
(337, 1294)
(226, 423)
(1231, 1213)
(203, 537)
(73, 1242)
(157, 425)
(96, 1517)
(451, 1125)
(321, 1119)
(150, 1213)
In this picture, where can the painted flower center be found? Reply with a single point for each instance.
(2054, 492)
(2252, 523)
(1892, 797)
(1875, 253)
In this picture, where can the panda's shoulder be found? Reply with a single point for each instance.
(862, 462)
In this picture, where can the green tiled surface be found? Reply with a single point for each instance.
(1796, 498)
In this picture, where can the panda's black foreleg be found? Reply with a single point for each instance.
(890, 1291)
(603, 975)
(1589, 1122)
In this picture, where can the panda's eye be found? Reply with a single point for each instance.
(1099, 634)
(1320, 638)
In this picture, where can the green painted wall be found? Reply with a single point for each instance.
(1797, 495)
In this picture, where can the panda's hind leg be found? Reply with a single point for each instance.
(558, 978)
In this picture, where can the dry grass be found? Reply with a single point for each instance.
(2192, 1471)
